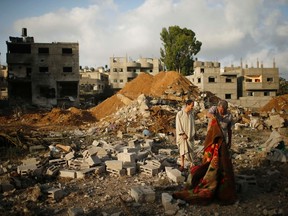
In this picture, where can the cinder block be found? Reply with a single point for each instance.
(167, 203)
(58, 162)
(149, 169)
(114, 164)
(67, 173)
(55, 193)
(69, 156)
(131, 171)
(116, 171)
(174, 174)
(127, 157)
(52, 170)
(143, 194)
(92, 160)
(83, 173)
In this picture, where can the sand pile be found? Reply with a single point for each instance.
(164, 85)
(279, 103)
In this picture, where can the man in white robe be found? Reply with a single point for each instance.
(185, 132)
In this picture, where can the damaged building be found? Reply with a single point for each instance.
(246, 86)
(42, 74)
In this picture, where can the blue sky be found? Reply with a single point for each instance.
(230, 30)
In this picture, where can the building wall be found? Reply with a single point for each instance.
(208, 77)
(45, 74)
(248, 87)
(123, 70)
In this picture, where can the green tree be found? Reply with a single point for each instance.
(180, 46)
(283, 86)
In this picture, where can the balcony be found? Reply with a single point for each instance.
(260, 85)
(133, 64)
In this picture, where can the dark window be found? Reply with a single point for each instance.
(199, 80)
(67, 69)
(227, 96)
(266, 93)
(250, 93)
(270, 79)
(228, 80)
(43, 69)
(43, 50)
(211, 79)
(66, 50)
(28, 72)
(202, 70)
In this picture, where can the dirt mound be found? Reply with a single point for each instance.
(279, 103)
(164, 84)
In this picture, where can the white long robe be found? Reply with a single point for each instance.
(185, 123)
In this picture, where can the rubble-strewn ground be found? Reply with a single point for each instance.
(118, 120)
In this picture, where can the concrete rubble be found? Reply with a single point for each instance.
(129, 147)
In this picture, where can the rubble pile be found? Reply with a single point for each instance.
(120, 157)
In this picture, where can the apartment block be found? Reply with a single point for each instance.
(93, 81)
(43, 74)
(123, 70)
(246, 86)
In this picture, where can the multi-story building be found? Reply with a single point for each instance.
(248, 87)
(43, 74)
(123, 70)
(94, 85)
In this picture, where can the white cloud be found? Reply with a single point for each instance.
(229, 29)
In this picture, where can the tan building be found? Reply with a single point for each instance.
(94, 81)
(248, 87)
(44, 74)
(123, 70)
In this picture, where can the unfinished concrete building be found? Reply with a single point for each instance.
(123, 70)
(248, 87)
(43, 74)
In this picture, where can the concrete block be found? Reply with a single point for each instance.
(36, 148)
(69, 156)
(167, 203)
(127, 157)
(149, 169)
(84, 173)
(174, 175)
(116, 171)
(52, 170)
(67, 173)
(131, 171)
(100, 169)
(60, 161)
(92, 160)
(143, 194)
(55, 193)
(114, 164)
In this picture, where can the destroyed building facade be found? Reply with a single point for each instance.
(43, 74)
(123, 70)
(245, 86)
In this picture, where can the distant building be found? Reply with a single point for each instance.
(248, 87)
(43, 74)
(123, 70)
